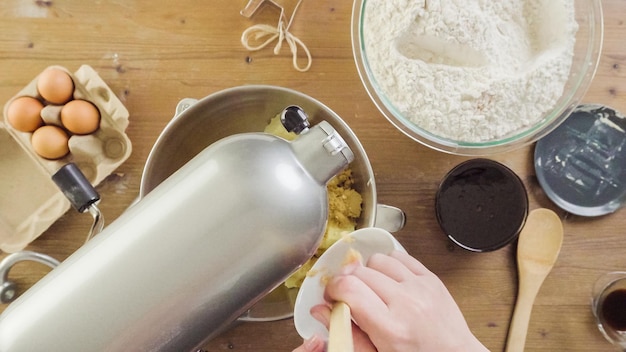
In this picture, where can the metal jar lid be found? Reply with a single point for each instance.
(581, 165)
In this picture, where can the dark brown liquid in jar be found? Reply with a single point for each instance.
(614, 310)
(481, 205)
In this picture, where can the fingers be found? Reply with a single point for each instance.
(396, 302)
(382, 275)
(362, 342)
(397, 265)
(390, 266)
(314, 344)
(321, 313)
(414, 265)
(380, 284)
(366, 305)
(369, 290)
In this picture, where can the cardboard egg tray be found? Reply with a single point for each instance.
(29, 200)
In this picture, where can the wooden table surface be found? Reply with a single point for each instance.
(153, 54)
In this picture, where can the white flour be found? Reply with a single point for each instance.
(470, 70)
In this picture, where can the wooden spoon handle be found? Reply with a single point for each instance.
(340, 330)
(518, 330)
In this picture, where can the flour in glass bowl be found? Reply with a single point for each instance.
(470, 70)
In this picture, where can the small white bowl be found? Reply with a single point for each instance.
(366, 241)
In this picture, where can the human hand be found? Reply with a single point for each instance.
(397, 304)
(314, 344)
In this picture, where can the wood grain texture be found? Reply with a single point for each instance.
(152, 55)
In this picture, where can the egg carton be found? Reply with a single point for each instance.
(29, 200)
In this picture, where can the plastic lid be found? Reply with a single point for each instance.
(481, 205)
(581, 165)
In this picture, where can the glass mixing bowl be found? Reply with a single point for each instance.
(585, 61)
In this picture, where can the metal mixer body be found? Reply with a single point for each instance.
(191, 256)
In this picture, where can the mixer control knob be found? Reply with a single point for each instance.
(295, 119)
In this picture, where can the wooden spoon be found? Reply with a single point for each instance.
(537, 250)
(340, 329)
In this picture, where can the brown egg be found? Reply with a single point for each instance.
(50, 142)
(24, 114)
(55, 86)
(80, 117)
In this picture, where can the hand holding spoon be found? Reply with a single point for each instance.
(538, 247)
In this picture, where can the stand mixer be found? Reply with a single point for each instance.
(193, 255)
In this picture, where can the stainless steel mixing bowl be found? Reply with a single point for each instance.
(199, 123)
